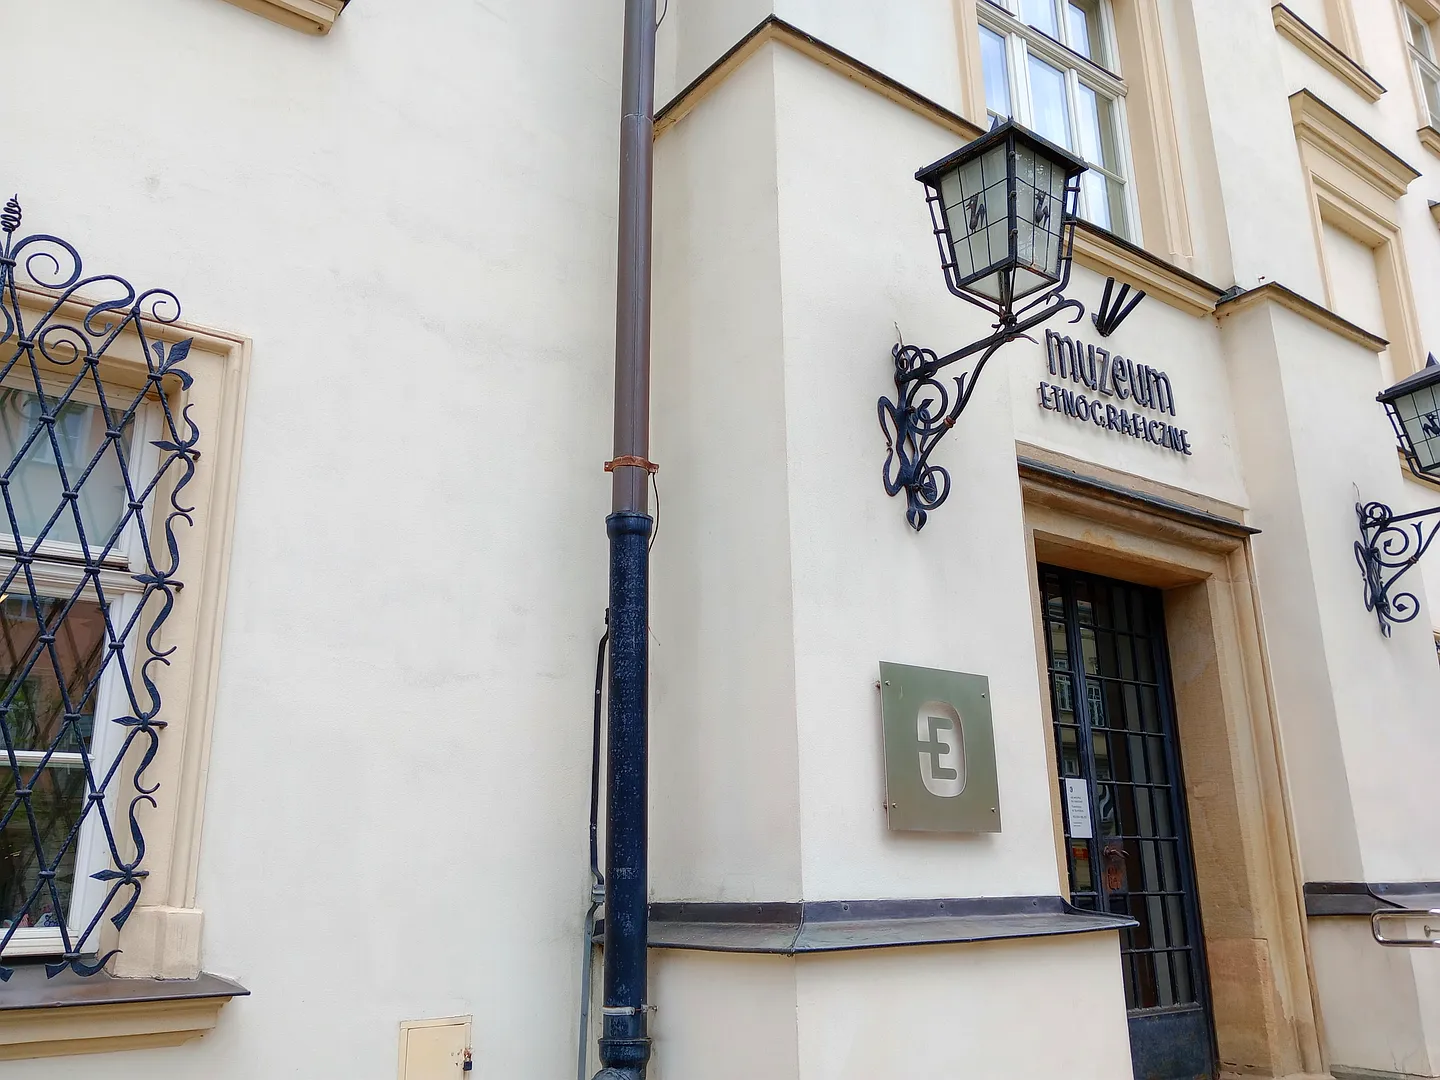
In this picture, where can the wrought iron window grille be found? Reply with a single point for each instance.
(93, 492)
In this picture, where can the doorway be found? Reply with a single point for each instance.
(1127, 837)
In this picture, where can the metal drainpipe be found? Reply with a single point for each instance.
(625, 1042)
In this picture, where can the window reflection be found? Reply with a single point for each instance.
(36, 488)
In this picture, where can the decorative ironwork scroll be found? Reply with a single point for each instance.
(1113, 309)
(1389, 545)
(923, 411)
(93, 490)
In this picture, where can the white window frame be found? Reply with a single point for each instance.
(57, 577)
(1424, 60)
(1023, 40)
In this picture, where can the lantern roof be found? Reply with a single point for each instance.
(1429, 375)
(931, 173)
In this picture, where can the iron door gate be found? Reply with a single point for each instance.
(1127, 837)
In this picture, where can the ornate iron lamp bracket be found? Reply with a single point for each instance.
(1389, 545)
(924, 409)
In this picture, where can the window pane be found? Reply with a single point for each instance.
(58, 794)
(47, 704)
(36, 490)
(1087, 127)
(1102, 199)
(1047, 92)
(996, 70)
(1432, 96)
(1419, 34)
(1085, 34)
(1041, 15)
(33, 703)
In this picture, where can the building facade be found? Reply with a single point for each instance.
(305, 581)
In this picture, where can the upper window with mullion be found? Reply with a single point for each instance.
(1426, 64)
(1047, 64)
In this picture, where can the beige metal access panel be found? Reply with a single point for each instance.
(435, 1049)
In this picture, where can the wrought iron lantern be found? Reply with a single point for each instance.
(1390, 543)
(1001, 206)
(1003, 211)
(1414, 408)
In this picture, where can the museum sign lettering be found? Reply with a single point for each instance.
(1110, 391)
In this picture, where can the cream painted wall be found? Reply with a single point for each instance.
(866, 587)
(1393, 121)
(413, 219)
(914, 43)
(1313, 12)
(725, 1016)
(1356, 709)
(1185, 348)
(968, 1010)
(1267, 219)
(724, 794)
(1354, 974)
(932, 1012)
(1354, 286)
(1382, 688)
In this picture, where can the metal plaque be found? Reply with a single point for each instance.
(939, 751)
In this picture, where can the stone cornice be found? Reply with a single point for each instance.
(1318, 123)
(1108, 254)
(1275, 293)
(1325, 53)
(310, 16)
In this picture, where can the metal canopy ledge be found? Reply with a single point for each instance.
(841, 925)
(1324, 898)
(28, 988)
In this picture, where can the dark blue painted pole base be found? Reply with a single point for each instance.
(625, 1044)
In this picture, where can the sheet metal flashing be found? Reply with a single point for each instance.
(1326, 898)
(790, 929)
(28, 988)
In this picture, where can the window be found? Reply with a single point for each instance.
(1427, 69)
(84, 469)
(114, 544)
(1051, 65)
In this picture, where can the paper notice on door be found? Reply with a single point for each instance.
(1077, 808)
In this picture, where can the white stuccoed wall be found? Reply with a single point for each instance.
(413, 219)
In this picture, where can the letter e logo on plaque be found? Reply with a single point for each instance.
(939, 751)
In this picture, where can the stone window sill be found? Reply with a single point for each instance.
(66, 1015)
(1430, 139)
(310, 16)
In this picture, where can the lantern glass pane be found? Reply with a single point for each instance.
(1420, 416)
(1040, 215)
(975, 201)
